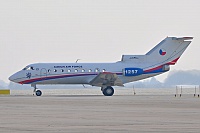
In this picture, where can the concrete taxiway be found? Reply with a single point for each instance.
(97, 113)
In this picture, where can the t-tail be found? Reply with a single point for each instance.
(169, 50)
(158, 59)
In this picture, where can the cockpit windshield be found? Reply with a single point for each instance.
(28, 68)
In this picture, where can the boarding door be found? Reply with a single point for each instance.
(43, 72)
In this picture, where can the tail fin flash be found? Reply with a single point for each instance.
(169, 50)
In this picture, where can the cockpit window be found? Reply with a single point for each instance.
(28, 68)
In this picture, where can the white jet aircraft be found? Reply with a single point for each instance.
(105, 75)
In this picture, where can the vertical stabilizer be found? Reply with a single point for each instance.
(169, 50)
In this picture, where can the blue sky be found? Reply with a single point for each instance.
(93, 30)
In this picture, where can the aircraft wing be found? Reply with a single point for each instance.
(107, 79)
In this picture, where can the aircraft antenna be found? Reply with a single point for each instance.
(77, 60)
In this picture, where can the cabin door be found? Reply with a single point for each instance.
(43, 72)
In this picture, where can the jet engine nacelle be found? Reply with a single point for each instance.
(132, 71)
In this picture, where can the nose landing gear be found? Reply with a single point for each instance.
(35, 91)
(38, 93)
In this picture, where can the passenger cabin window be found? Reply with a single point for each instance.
(103, 70)
(55, 70)
(62, 70)
(83, 70)
(97, 70)
(49, 71)
(68, 70)
(89, 70)
(76, 70)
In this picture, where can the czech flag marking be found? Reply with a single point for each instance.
(162, 52)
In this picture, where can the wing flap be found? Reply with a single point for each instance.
(106, 79)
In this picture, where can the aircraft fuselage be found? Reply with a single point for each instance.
(75, 73)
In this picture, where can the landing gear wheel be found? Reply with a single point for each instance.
(108, 91)
(38, 93)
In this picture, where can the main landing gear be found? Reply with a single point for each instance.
(35, 91)
(107, 91)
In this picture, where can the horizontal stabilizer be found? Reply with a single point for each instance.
(182, 38)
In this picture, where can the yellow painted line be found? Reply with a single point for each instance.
(4, 92)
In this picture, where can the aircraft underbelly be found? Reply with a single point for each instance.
(68, 80)
(87, 79)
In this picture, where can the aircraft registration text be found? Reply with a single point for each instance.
(132, 71)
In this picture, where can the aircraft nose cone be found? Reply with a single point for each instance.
(12, 78)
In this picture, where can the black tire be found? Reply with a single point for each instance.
(38, 93)
(108, 91)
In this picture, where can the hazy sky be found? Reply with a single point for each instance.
(34, 31)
